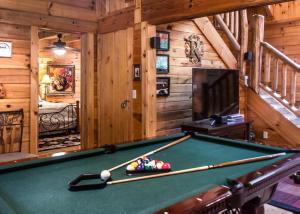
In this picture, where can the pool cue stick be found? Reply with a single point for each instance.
(197, 169)
(153, 152)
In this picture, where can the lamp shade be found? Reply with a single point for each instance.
(46, 79)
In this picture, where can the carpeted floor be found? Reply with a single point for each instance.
(59, 142)
(287, 196)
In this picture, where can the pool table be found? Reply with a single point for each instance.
(41, 186)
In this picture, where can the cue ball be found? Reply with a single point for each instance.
(105, 175)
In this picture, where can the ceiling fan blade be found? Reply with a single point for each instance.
(72, 49)
(48, 48)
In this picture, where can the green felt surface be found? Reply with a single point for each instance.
(44, 189)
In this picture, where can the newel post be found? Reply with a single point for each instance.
(258, 37)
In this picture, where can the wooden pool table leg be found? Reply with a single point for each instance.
(256, 205)
(253, 210)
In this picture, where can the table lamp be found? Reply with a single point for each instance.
(45, 81)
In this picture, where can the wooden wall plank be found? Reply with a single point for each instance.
(46, 21)
(54, 8)
(88, 4)
(35, 6)
(70, 11)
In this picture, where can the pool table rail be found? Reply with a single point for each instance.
(247, 193)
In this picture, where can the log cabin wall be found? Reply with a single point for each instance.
(176, 109)
(70, 58)
(15, 75)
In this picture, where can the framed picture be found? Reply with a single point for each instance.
(162, 63)
(164, 40)
(5, 49)
(62, 80)
(163, 86)
(137, 72)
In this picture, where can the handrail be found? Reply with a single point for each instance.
(228, 32)
(282, 56)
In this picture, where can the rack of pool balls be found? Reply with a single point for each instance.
(147, 165)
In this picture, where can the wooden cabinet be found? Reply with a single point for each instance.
(240, 130)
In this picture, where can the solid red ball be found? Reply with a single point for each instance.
(166, 166)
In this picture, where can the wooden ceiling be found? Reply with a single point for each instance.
(83, 15)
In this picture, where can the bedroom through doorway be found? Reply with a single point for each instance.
(59, 92)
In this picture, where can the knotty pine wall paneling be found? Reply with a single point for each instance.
(15, 75)
(176, 109)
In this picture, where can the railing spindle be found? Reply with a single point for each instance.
(232, 22)
(275, 83)
(267, 69)
(293, 88)
(283, 84)
(227, 19)
(236, 25)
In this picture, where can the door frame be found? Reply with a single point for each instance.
(87, 116)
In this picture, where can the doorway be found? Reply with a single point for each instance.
(59, 94)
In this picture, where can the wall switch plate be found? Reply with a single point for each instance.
(265, 135)
(133, 94)
(246, 78)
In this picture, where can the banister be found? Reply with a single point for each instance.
(227, 31)
(282, 56)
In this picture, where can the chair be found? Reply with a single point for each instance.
(11, 131)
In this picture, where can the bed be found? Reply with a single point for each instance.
(58, 118)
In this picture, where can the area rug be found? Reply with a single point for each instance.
(59, 142)
(287, 196)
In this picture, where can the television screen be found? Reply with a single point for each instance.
(215, 92)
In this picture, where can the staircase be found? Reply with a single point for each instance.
(278, 106)
(272, 74)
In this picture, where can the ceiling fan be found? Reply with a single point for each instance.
(59, 47)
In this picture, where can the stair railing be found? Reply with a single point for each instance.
(235, 26)
(230, 24)
(288, 68)
(272, 69)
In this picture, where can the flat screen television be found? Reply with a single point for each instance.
(215, 92)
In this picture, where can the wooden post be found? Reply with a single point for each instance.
(258, 37)
(34, 87)
(149, 114)
(244, 40)
(87, 91)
